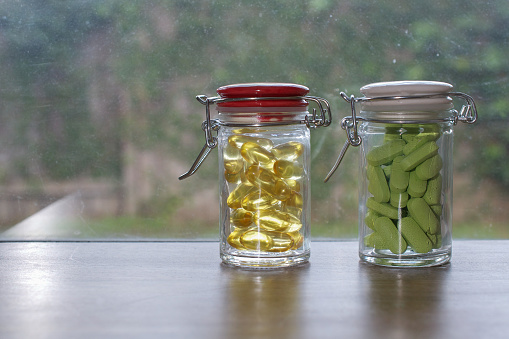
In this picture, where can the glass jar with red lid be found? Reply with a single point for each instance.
(263, 140)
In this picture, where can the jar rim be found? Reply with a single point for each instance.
(262, 89)
(252, 94)
(405, 88)
(411, 96)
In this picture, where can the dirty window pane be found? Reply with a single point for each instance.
(99, 117)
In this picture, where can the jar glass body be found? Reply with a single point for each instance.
(405, 193)
(264, 194)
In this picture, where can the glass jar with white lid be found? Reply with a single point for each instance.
(405, 133)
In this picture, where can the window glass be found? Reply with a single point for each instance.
(99, 116)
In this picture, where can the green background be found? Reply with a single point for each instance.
(97, 98)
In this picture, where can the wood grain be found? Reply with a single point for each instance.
(181, 290)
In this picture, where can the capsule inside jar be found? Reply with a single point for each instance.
(269, 182)
(267, 196)
(414, 186)
(275, 220)
(237, 140)
(288, 169)
(288, 151)
(233, 162)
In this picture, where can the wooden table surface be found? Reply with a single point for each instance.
(181, 290)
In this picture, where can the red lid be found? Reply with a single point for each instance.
(267, 89)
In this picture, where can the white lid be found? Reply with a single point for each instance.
(403, 89)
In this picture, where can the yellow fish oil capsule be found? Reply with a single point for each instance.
(241, 218)
(234, 239)
(233, 161)
(233, 178)
(237, 140)
(275, 220)
(281, 242)
(256, 241)
(294, 204)
(288, 169)
(258, 200)
(268, 182)
(288, 151)
(235, 197)
(293, 184)
(298, 239)
(255, 154)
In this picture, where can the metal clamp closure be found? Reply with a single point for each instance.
(325, 117)
(210, 143)
(467, 114)
(321, 119)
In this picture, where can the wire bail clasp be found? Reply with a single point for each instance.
(325, 117)
(208, 126)
(468, 112)
(349, 125)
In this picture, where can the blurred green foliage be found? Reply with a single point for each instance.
(160, 53)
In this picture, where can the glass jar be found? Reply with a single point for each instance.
(263, 140)
(405, 130)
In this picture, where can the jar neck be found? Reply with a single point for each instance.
(261, 116)
(401, 117)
